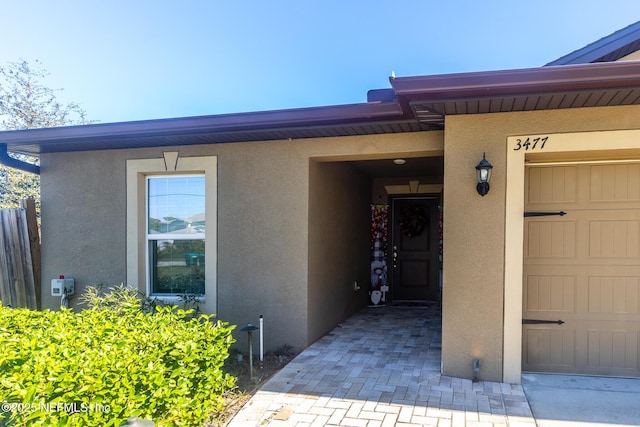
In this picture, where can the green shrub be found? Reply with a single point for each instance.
(108, 364)
(125, 299)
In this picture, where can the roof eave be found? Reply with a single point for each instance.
(261, 120)
(520, 81)
(608, 48)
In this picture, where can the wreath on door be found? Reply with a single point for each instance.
(412, 221)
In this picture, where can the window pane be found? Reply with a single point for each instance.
(176, 205)
(177, 266)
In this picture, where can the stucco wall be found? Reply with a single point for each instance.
(263, 216)
(83, 220)
(262, 238)
(339, 230)
(262, 228)
(473, 295)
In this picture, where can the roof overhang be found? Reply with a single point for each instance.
(339, 120)
(547, 88)
(412, 104)
(608, 49)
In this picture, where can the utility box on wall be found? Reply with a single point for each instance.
(62, 284)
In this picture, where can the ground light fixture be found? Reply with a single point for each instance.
(483, 174)
(249, 330)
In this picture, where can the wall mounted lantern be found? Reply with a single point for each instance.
(483, 173)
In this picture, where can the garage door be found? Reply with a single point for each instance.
(583, 269)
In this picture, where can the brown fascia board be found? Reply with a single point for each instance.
(237, 122)
(518, 82)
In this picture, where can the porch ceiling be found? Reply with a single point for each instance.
(414, 167)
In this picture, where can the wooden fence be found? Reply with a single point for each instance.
(20, 257)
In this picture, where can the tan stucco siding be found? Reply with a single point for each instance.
(339, 240)
(262, 238)
(83, 220)
(634, 56)
(262, 228)
(472, 277)
(474, 233)
(263, 215)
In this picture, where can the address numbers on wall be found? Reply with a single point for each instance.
(530, 144)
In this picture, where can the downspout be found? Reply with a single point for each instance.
(9, 161)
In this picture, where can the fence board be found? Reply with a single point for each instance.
(27, 259)
(18, 281)
(6, 284)
(15, 267)
(29, 205)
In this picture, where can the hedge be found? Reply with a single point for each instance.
(97, 367)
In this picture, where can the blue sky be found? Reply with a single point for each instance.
(128, 60)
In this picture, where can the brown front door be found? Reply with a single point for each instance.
(415, 249)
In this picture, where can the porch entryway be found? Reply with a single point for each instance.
(406, 197)
(343, 199)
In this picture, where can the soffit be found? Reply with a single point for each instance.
(433, 111)
(546, 88)
(213, 137)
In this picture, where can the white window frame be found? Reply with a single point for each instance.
(137, 244)
(161, 236)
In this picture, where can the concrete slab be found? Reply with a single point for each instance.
(572, 400)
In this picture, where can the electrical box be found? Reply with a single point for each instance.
(62, 284)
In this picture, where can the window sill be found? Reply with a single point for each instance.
(174, 299)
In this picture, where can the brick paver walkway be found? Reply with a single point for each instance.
(381, 368)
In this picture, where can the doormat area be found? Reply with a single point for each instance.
(414, 304)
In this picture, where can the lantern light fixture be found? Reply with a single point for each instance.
(483, 175)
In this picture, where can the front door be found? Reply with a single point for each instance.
(415, 249)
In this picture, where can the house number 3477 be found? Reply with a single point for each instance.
(530, 143)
